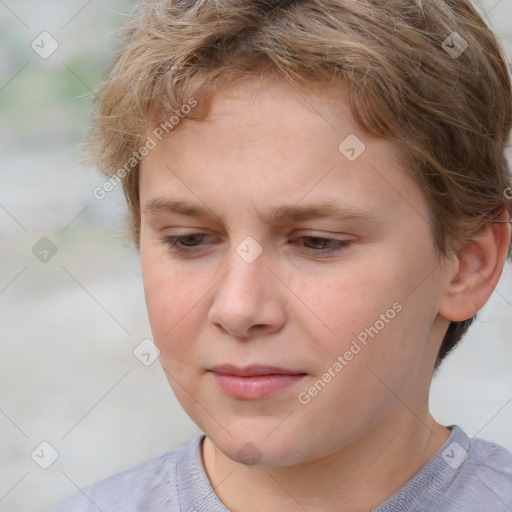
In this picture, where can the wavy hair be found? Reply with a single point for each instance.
(426, 74)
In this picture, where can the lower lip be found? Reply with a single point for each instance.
(255, 387)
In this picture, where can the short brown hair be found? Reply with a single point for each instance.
(448, 111)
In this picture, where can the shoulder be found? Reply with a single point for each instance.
(465, 475)
(483, 472)
(491, 464)
(151, 485)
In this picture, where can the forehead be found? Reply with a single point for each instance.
(271, 143)
(267, 102)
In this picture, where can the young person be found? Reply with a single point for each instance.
(320, 197)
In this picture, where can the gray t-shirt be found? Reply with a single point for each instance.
(465, 475)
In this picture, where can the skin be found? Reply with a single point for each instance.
(369, 430)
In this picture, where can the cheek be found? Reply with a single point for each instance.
(175, 301)
(365, 312)
(348, 299)
(175, 312)
(361, 338)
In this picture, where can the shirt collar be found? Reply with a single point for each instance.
(196, 493)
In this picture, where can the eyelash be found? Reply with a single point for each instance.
(172, 242)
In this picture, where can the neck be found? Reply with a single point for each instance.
(352, 479)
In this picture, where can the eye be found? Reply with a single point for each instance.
(184, 243)
(327, 245)
(187, 244)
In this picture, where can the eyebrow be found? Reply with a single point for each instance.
(276, 215)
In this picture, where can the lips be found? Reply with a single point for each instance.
(253, 370)
(254, 382)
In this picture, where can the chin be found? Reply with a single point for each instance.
(253, 446)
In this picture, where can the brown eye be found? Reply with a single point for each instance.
(324, 245)
(183, 243)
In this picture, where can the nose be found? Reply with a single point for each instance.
(249, 299)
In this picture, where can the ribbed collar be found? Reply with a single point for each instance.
(197, 495)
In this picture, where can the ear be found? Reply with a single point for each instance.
(474, 274)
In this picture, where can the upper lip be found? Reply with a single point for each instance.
(252, 370)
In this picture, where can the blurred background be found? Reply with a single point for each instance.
(76, 404)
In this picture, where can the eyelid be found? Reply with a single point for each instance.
(306, 233)
(334, 245)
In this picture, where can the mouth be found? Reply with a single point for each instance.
(253, 370)
(254, 382)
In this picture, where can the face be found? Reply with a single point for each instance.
(346, 296)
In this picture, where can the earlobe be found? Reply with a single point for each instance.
(473, 276)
